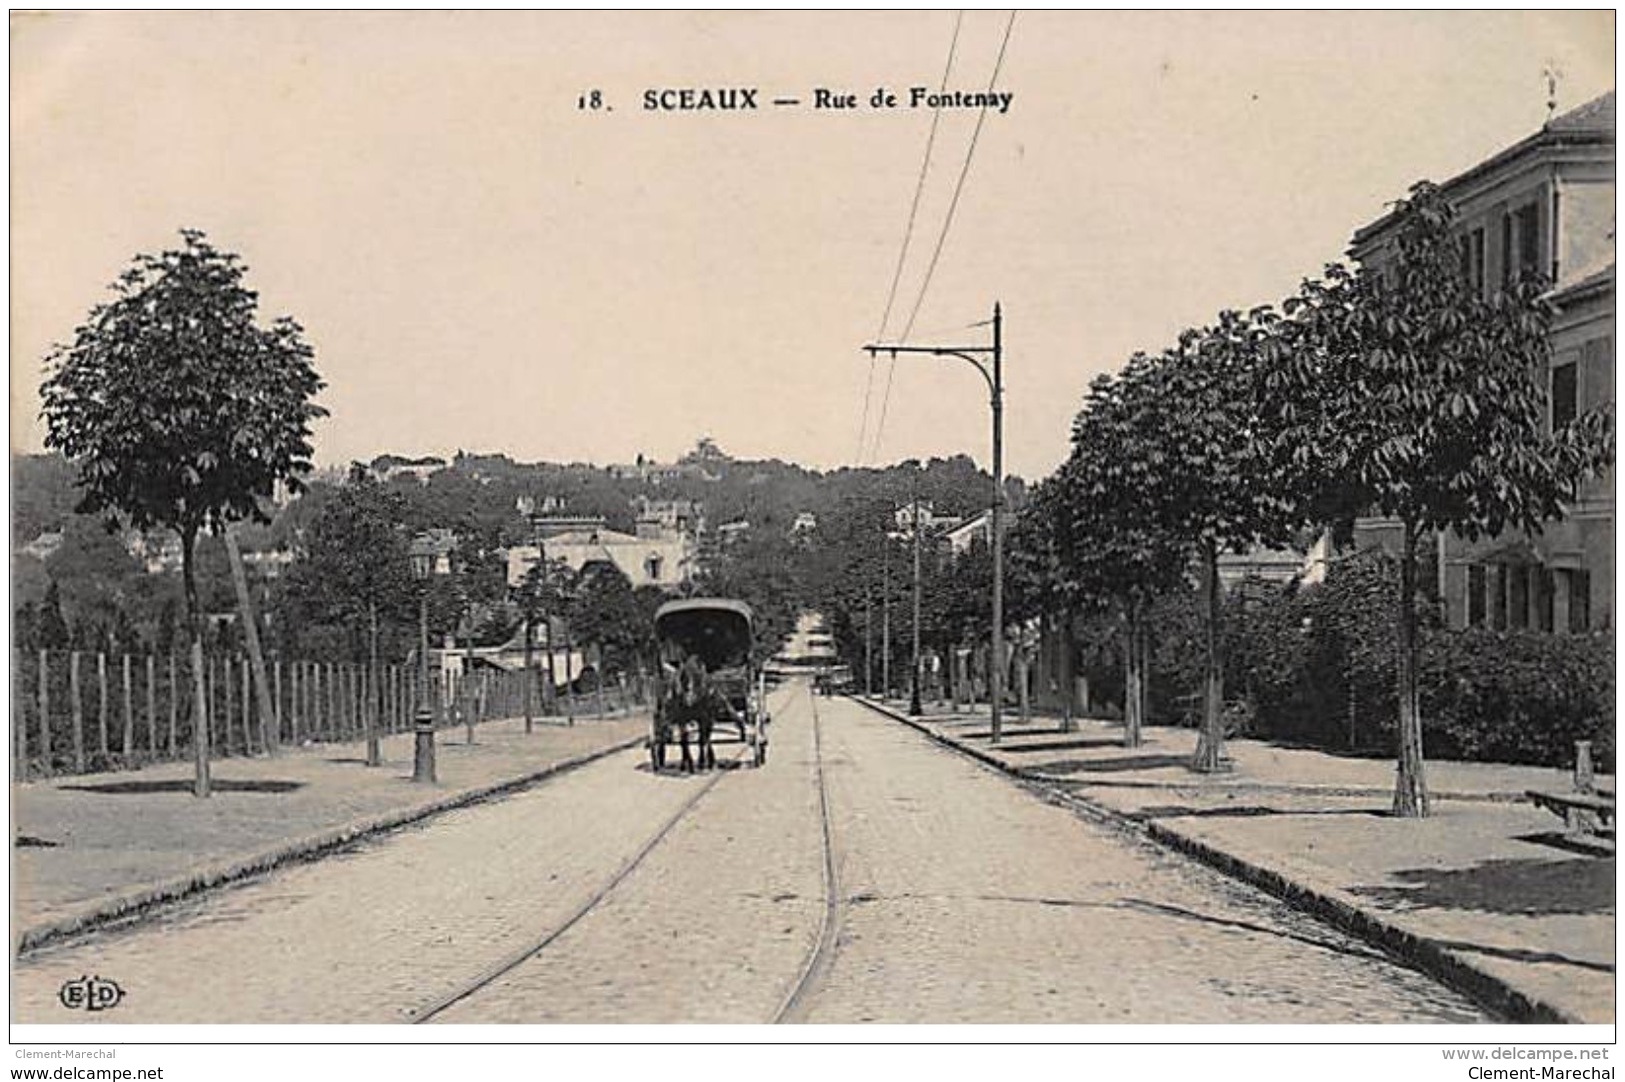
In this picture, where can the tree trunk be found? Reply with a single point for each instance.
(1209, 757)
(251, 633)
(1133, 678)
(525, 692)
(1410, 789)
(200, 701)
(374, 754)
(1024, 670)
(569, 681)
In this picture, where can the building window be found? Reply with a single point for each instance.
(1520, 243)
(1544, 587)
(653, 566)
(1475, 595)
(1518, 597)
(1565, 394)
(1579, 600)
(1472, 261)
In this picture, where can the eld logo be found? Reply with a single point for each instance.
(90, 994)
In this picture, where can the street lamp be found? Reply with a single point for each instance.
(423, 723)
(979, 357)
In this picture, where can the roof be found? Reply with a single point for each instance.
(1595, 115)
(1595, 282)
(1591, 123)
(705, 604)
(593, 537)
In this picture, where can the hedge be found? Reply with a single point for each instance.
(1317, 666)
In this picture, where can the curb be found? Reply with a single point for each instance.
(137, 903)
(1491, 797)
(1486, 989)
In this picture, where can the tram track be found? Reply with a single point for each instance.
(794, 1007)
(493, 973)
(790, 1009)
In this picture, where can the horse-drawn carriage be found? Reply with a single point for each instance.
(709, 677)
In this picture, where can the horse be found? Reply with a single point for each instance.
(691, 700)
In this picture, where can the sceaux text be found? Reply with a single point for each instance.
(698, 99)
(745, 98)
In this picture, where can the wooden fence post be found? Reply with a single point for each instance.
(101, 714)
(276, 697)
(296, 705)
(129, 713)
(19, 717)
(46, 760)
(228, 689)
(152, 707)
(248, 721)
(77, 702)
(174, 708)
(332, 702)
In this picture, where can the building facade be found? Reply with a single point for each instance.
(1544, 205)
(664, 560)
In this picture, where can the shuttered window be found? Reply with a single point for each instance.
(1565, 394)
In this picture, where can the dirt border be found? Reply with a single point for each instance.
(135, 904)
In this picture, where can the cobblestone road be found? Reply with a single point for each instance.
(970, 900)
(964, 899)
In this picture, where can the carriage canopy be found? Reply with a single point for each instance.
(716, 630)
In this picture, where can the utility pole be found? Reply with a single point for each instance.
(885, 618)
(989, 361)
(914, 687)
(868, 647)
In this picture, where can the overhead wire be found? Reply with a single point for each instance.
(947, 224)
(908, 234)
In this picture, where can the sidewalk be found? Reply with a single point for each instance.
(89, 848)
(1483, 894)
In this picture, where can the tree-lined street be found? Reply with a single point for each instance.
(990, 906)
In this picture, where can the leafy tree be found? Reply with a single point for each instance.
(1110, 535)
(1221, 489)
(179, 410)
(355, 570)
(1432, 409)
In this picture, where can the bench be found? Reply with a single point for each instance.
(1587, 812)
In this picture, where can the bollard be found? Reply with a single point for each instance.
(1585, 780)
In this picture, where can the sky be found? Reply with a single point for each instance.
(484, 265)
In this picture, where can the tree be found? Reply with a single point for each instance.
(545, 593)
(1112, 546)
(178, 410)
(1428, 404)
(355, 570)
(1221, 488)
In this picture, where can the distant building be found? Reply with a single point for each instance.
(431, 551)
(544, 526)
(930, 522)
(1545, 204)
(158, 552)
(680, 516)
(806, 523)
(665, 561)
(389, 467)
(978, 528)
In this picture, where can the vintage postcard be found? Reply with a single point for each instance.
(1071, 526)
